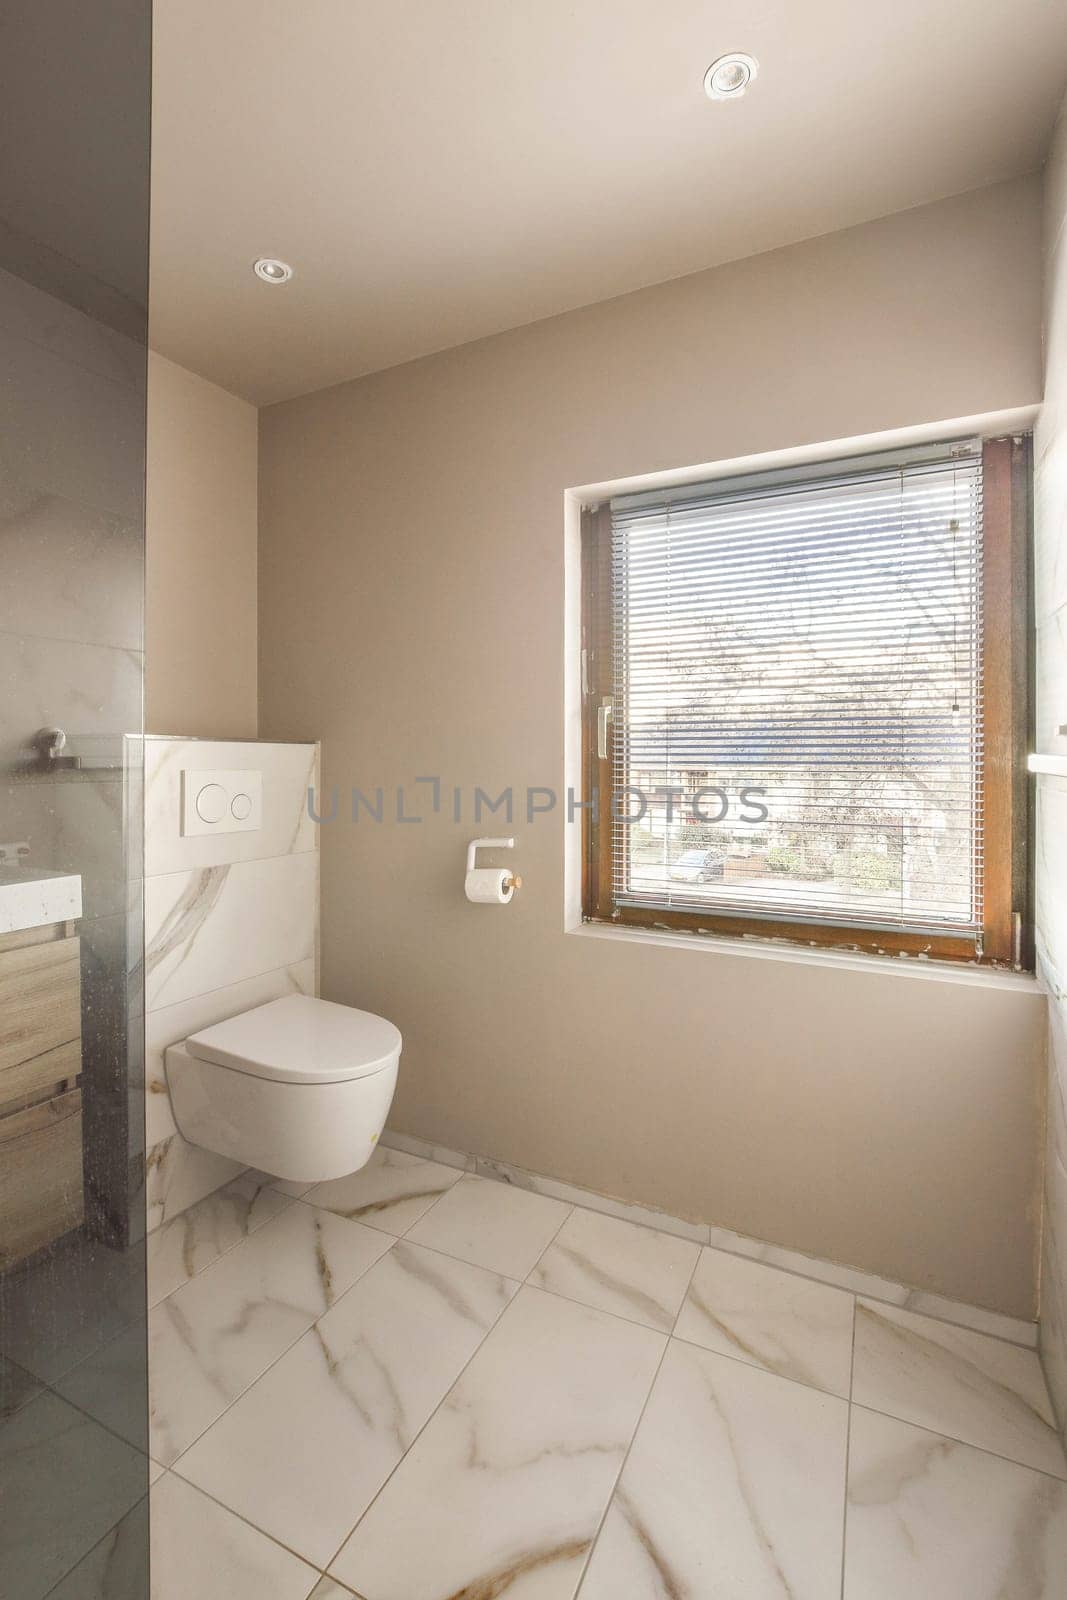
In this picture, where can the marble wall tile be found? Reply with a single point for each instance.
(391, 1192)
(771, 1319)
(510, 1478)
(70, 429)
(71, 571)
(215, 926)
(70, 334)
(303, 1452)
(503, 1231)
(931, 1518)
(200, 1549)
(952, 1381)
(89, 690)
(288, 771)
(615, 1266)
(215, 1335)
(733, 1486)
(183, 1247)
(41, 1536)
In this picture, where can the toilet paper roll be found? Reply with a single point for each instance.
(489, 886)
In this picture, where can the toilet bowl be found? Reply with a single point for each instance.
(299, 1088)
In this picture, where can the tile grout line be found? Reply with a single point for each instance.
(633, 1437)
(172, 1466)
(419, 1433)
(982, 1450)
(829, 1276)
(288, 1199)
(459, 1376)
(848, 1447)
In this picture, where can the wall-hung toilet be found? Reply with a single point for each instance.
(299, 1088)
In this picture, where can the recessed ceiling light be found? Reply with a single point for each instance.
(729, 76)
(272, 270)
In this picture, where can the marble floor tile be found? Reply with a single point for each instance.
(966, 1385)
(16, 1387)
(330, 1589)
(112, 1386)
(392, 1191)
(42, 1535)
(74, 1299)
(182, 1247)
(214, 1336)
(117, 1567)
(200, 1551)
(507, 1484)
(734, 1486)
(497, 1227)
(932, 1519)
(771, 1319)
(618, 1267)
(305, 1450)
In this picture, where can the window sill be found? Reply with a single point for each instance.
(922, 968)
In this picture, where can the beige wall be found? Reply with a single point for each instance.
(200, 557)
(1050, 519)
(412, 614)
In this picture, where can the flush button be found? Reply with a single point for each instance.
(241, 806)
(211, 803)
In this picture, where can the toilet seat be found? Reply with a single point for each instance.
(300, 1039)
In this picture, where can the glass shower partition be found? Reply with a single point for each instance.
(74, 175)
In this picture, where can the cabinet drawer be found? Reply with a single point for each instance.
(40, 999)
(41, 1077)
(40, 1175)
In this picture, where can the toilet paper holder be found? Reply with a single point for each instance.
(512, 881)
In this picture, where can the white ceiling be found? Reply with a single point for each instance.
(437, 170)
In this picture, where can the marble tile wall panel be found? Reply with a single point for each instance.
(85, 689)
(180, 1174)
(67, 428)
(66, 332)
(231, 922)
(288, 771)
(215, 926)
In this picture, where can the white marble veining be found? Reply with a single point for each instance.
(392, 1191)
(180, 1174)
(972, 1388)
(734, 1486)
(618, 1267)
(288, 770)
(306, 1449)
(193, 1239)
(502, 1229)
(770, 1319)
(1014, 1329)
(201, 1551)
(932, 1519)
(218, 925)
(420, 1427)
(33, 898)
(211, 1338)
(508, 1482)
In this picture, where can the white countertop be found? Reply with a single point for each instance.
(33, 898)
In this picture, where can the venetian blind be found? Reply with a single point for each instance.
(797, 673)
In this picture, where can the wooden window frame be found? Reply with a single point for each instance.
(1006, 678)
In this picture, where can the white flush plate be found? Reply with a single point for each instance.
(221, 802)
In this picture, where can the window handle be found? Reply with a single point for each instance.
(603, 717)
